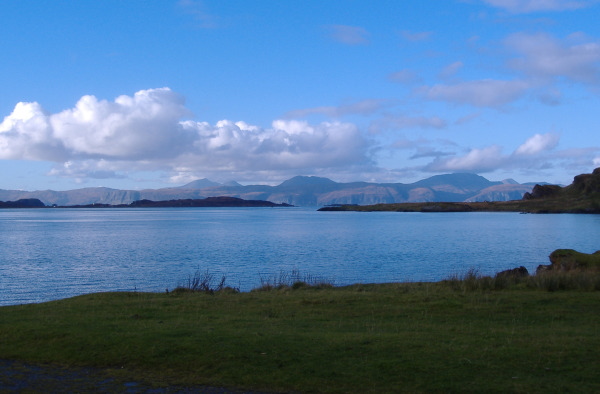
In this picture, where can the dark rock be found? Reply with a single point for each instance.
(543, 268)
(519, 272)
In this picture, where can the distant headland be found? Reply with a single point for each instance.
(582, 196)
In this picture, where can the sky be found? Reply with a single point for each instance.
(148, 94)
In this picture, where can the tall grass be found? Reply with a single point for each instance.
(586, 280)
(292, 280)
(472, 280)
(204, 282)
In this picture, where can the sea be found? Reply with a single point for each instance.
(50, 254)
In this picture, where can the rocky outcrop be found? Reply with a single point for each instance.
(543, 191)
(569, 259)
(587, 184)
(583, 186)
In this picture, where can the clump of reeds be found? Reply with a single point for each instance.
(204, 282)
(472, 280)
(292, 280)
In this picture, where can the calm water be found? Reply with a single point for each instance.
(57, 253)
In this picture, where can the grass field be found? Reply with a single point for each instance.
(452, 336)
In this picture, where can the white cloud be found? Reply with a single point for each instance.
(542, 55)
(480, 93)
(142, 126)
(198, 10)
(596, 161)
(27, 134)
(138, 127)
(289, 144)
(422, 144)
(541, 59)
(422, 153)
(476, 160)
(533, 153)
(350, 35)
(450, 70)
(404, 76)
(538, 143)
(550, 96)
(397, 122)
(526, 6)
(415, 36)
(82, 170)
(467, 118)
(364, 107)
(145, 132)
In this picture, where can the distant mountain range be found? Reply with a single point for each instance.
(299, 191)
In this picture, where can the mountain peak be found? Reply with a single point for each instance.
(307, 181)
(199, 184)
(462, 180)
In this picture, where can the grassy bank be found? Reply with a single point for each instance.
(458, 335)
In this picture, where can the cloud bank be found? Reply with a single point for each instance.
(544, 56)
(149, 132)
(146, 131)
(533, 153)
(538, 62)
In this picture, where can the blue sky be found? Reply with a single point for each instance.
(147, 94)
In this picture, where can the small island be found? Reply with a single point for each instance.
(210, 202)
(582, 196)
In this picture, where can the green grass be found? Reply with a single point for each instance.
(413, 337)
